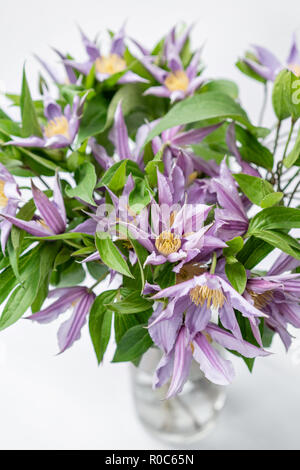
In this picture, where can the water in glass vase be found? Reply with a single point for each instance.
(184, 419)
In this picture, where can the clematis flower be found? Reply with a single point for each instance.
(176, 83)
(9, 200)
(176, 142)
(198, 298)
(268, 66)
(81, 299)
(175, 363)
(120, 139)
(52, 219)
(174, 42)
(231, 219)
(177, 232)
(70, 76)
(278, 296)
(106, 66)
(61, 129)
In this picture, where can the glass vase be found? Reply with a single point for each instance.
(184, 419)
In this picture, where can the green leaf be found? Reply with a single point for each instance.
(246, 70)
(252, 150)
(118, 179)
(234, 246)
(135, 342)
(140, 196)
(256, 189)
(226, 87)
(133, 303)
(97, 269)
(201, 107)
(280, 240)
(294, 154)
(73, 275)
(100, 323)
(94, 118)
(254, 251)
(86, 180)
(19, 301)
(236, 274)
(30, 124)
(278, 218)
(281, 95)
(131, 167)
(271, 200)
(110, 255)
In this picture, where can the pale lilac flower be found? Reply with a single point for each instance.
(61, 129)
(278, 296)
(81, 299)
(106, 66)
(120, 139)
(175, 83)
(70, 76)
(268, 66)
(9, 200)
(52, 219)
(231, 219)
(197, 299)
(176, 361)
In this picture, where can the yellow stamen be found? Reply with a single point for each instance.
(208, 337)
(43, 224)
(214, 297)
(110, 64)
(295, 68)
(177, 81)
(167, 243)
(261, 300)
(3, 197)
(172, 217)
(58, 126)
(192, 348)
(192, 177)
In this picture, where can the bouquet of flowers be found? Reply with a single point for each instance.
(147, 175)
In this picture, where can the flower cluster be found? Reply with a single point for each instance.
(148, 176)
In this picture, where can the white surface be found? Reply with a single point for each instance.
(66, 402)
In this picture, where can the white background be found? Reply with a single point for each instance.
(66, 402)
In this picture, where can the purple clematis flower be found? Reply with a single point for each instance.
(198, 298)
(177, 232)
(70, 76)
(176, 361)
(52, 219)
(119, 137)
(81, 299)
(268, 66)
(61, 129)
(106, 66)
(177, 83)
(231, 219)
(9, 200)
(173, 42)
(175, 143)
(278, 296)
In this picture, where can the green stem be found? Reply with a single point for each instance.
(291, 180)
(280, 164)
(277, 137)
(213, 264)
(98, 282)
(293, 193)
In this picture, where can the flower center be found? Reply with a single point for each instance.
(261, 300)
(214, 297)
(110, 64)
(3, 198)
(58, 126)
(167, 243)
(295, 68)
(177, 81)
(43, 224)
